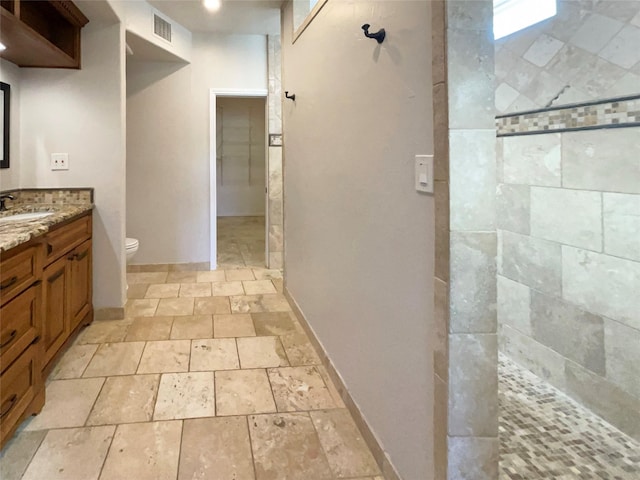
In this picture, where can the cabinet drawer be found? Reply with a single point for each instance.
(63, 239)
(19, 324)
(19, 271)
(20, 382)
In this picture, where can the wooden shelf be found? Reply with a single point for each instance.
(42, 34)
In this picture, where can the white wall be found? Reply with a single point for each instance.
(82, 112)
(168, 143)
(241, 151)
(359, 250)
(10, 177)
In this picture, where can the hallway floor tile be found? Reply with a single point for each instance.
(168, 394)
(241, 243)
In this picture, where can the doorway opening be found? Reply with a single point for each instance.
(239, 189)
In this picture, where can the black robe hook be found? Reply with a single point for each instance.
(379, 35)
(290, 97)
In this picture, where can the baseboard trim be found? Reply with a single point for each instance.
(169, 267)
(382, 459)
(111, 313)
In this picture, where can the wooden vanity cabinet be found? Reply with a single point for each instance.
(21, 319)
(45, 298)
(67, 285)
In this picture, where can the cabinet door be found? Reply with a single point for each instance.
(80, 289)
(20, 324)
(55, 307)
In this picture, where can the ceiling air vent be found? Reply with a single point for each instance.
(161, 27)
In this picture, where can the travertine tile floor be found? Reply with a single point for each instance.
(241, 242)
(546, 435)
(209, 376)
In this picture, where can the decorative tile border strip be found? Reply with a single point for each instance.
(52, 196)
(612, 113)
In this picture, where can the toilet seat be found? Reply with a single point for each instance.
(131, 243)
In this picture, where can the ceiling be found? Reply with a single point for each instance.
(144, 50)
(97, 11)
(235, 16)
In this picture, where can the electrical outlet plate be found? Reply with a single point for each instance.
(59, 161)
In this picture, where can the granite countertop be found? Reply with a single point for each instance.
(16, 233)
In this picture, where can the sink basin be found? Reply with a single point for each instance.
(23, 217)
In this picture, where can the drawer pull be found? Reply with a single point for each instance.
(56, 276)
(9, 282)
(10, 338)
(80, 256)
(49, 249)
(11, 402)
(35, 340)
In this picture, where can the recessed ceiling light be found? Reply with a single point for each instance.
(212, 5)
(2, 47)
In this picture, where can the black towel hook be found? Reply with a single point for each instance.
(379, 35)
(290, 97)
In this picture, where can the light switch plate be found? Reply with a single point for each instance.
(59, 161)
(424, 173)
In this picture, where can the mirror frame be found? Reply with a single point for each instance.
(6, 116)
(310, 16)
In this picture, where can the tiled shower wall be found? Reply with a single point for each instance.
(588, 51)
(569, 264)
(274, 99)
(465, 356)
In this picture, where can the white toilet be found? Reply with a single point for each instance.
(131, 245)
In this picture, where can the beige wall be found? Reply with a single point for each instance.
(168, 143)
(359, 249)
(82, 112)
(10, 177)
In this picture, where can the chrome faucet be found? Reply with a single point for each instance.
(4, 198)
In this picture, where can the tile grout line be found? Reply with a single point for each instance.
(141, 357)
(104, 462)
(253, 458)
(235, 341)
(273, 395)
(286, 355)
(180, 448)
(93, 405)
(35, 451)
(326, 456)
(215, 397)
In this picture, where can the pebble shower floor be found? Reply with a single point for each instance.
(546, 435)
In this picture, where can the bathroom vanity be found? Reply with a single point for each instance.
(45, 298)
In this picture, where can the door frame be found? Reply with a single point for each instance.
(213, 170)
